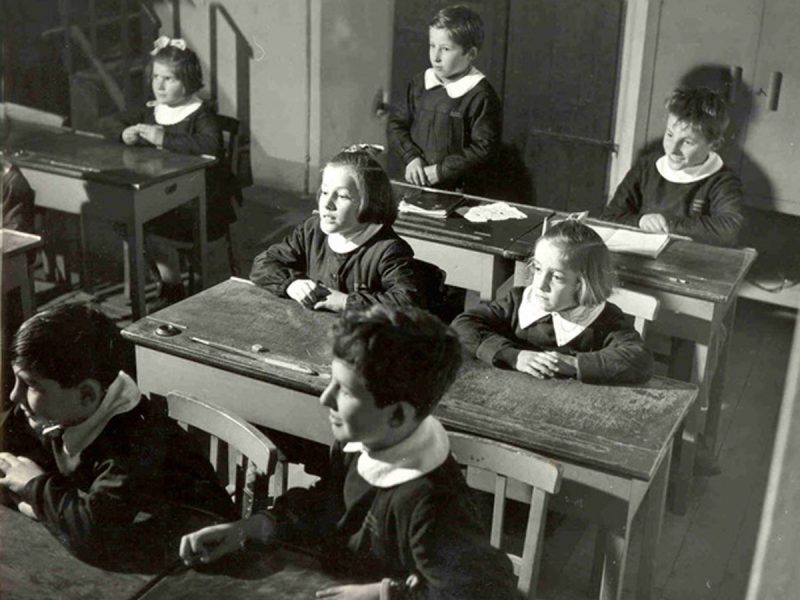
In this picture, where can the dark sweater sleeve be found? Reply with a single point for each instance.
(451, 560)
(487, 330)
(283, 263)
(399, 283)
(625, 206)
(723, 221)
(113, 125)
(82, 520)
(484, 139)
(399, 127)
(204, 137)
(624, 357)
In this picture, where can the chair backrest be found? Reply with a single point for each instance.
(230, 132)
(19, 112)
(642, 307)
(539, 476)
(246, 458)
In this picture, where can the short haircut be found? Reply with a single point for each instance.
(585, 253)
(69, 344)
(184, 64)
(464, 25)
(378, 204)
(703, 109)
(402, 354)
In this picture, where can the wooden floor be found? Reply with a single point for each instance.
(706, 554)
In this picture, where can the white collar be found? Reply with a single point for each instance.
(568, 324)
(122, 396)
(169, 115)
(711, 165)
(420, 453)
(457, 88)
(343, 244)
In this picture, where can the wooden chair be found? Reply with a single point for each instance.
(251, 456)
(490, 465)
(642, 307)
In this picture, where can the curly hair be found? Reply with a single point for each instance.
(705, 110)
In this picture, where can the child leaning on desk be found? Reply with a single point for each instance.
(561, 324)
(393, 507)
(686, 190)
(347, 255)
(447, 128)
(83, 452)
(178, 120)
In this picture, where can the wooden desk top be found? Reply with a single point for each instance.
(622, 430)
(90, 156)
(492, 237)
(16, 242)
(276, 573)
(684, 267)
(34, 565)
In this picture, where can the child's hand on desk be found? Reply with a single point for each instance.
(211, 543)
(567, 364)
(130, 135)
(654, 223)
(368, 591)
(333, 300)
(541, 365)
(17, 471)
(415, 172)
(303, 291)
(152, 133)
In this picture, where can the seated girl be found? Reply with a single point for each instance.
(178, 120)
(348, 255)
(561, 324)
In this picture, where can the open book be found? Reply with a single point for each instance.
(632, 241)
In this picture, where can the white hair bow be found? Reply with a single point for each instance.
(165, 41)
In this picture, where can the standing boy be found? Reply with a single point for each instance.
(447, 127)
(84, 453)
(687, 190)
(394, 503)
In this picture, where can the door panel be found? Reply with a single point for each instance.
(560, 89)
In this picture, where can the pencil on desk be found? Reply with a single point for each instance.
(275, 362)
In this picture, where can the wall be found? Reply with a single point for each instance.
(302, 73)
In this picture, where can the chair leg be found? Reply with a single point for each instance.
(234, 266)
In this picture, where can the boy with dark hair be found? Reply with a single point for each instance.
(687, 190)
(447, 127)
(84, 453)
(394, 504)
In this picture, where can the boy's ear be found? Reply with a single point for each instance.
(472, 53)
(91, 392)
(402, 412)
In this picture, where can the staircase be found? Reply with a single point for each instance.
(106, 49)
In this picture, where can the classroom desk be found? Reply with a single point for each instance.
(697, 286)
(86, 175)
(476, 256)
(277, 573)
(613, 442)
(16, 270)
(34, 565)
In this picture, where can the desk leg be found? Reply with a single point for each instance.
(683, 355)
(136, 265)
(716, 379)
(653, 519)
(617, 542)
(200, 239)
(27, 291)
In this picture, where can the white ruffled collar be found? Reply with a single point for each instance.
(170, 115)
(454, 89)
(122, 396)
(420, 453)
(342, 244)
(711, 165)
(568, 324)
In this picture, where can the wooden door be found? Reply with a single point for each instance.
(410, 48)
(560, 89)
(769, 171)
